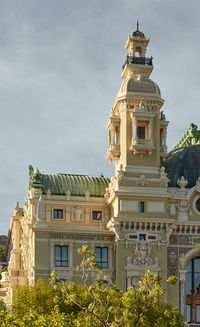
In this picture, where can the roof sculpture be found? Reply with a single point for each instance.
(191, 137)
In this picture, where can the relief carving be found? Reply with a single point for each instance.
(142, 181)
(76, 214)
(142, 256)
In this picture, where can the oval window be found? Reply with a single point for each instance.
(198, 204)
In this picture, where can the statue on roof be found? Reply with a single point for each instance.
(35, 179)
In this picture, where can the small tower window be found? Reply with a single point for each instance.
(141, 132)
(138, 52)
(142, 206)
(142, 237)
(96, 215)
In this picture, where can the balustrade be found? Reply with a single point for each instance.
(138, 61)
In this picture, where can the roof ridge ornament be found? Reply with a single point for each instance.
(137, 33)
(137, 25)
(182, 183)
(191, 137)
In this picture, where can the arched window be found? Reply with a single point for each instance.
(138, 52)
(193, 290)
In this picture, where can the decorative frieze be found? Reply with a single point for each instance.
(184, 239)
(80, 237)
(173, 239)
(142, 226)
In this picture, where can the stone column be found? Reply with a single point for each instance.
(150, 131)
(51, 256)
(71, 255)
(128, 281)
(134, 129)
(112, 134)
(182, 278)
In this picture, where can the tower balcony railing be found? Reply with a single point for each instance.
(138, 61)
(141, 142)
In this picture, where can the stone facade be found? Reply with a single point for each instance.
(135, 216)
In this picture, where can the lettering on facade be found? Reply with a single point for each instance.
(81, 237)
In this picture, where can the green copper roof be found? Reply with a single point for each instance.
(77, 185)
(183, 162)
(191, 137)
(137, 32)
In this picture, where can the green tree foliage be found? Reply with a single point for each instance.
(3, 239)
(101, 304)
(107, 305)
(37, 298)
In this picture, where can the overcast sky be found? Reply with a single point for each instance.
(60, 67)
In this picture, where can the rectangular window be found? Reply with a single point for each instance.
(142, 206)
(141, 132)
(102, 257)
(58, 214)
(133, 236)
(96, 215)
(188, 312)
(142, 237)
(197, 313)
(151, 237)
(61, 256)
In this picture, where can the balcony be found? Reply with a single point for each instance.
(113, 152)
(138, 61)
(142, 146)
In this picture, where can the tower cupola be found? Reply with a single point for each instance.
(137, 46)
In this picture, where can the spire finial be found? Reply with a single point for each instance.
(137, 25)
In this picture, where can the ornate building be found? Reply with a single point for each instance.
(146, 216)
